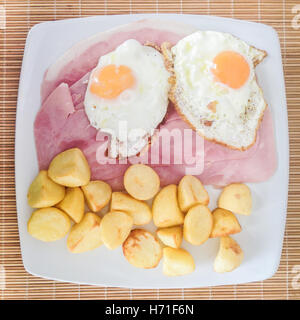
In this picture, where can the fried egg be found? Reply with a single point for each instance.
(127, 96)
(215, 87)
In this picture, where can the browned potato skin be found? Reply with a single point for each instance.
(142, 249)
(198, 225)
(165, 208)
(137, 209)
(229, 257)
(70, 168)
(171, 237)
(141, 182)
(191, 192)
(177, 262)
(236, 197)
(97, 194)
(48, 224)
(43, 192)
(73, 204)
(224, 223)
(85, 236)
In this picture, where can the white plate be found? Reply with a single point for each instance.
(262, 235)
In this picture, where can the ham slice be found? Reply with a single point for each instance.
(78, 90)
(51, 120)
(58, 127)
(62, 123)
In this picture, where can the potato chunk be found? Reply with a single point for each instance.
(43, 192)
(48, 224)
(97, 194)
(115, 228)
(224, 223)
(85, 236)
(142, 249)
(73, 203)
(237, 198)
(70, 168)
(165, 209)
(229, 257)
(141, 182)
(177, 262)
(171, 237)
(198, 224)
(191, 192)
(138, 210)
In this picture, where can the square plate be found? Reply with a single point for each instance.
(262, 235)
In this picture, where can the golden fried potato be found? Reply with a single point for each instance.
(191, 192)
(198, 224)
(97, 194)
(73, 203)
(229, 257)
(48, 224)
(43, 192)
(141, 182)
(224, 223)
(142, 249)
(70, 168)
(237, 198)
(165, 208)
(85, 236)
(171, 237)
(137, 209)
(177, 262)
(115, 228)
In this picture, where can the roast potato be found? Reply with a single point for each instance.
(115, 228)
(165, 208)
(142, 249)
(229, 257)
(191, 192)
(224, 223)
(198, 224)
(43, 192)
(177, 262)
(85, 236)
(48, 224)
(70, 168)
(97, 194)
(73, 203)
(141, 182)
(171, 237)
(237, 198)
(137, 209)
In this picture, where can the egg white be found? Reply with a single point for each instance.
(238, 111)
(131, 118)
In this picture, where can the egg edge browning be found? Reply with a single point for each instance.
(169, 64)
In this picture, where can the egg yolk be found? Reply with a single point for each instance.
(231, 68)
(111, 80)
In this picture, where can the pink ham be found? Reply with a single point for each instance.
(61, 122)
(259, 164)
(58, 127)
(78, 90)
(51, 120)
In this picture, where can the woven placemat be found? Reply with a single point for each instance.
(16, 18)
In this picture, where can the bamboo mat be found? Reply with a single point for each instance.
(16, 18)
